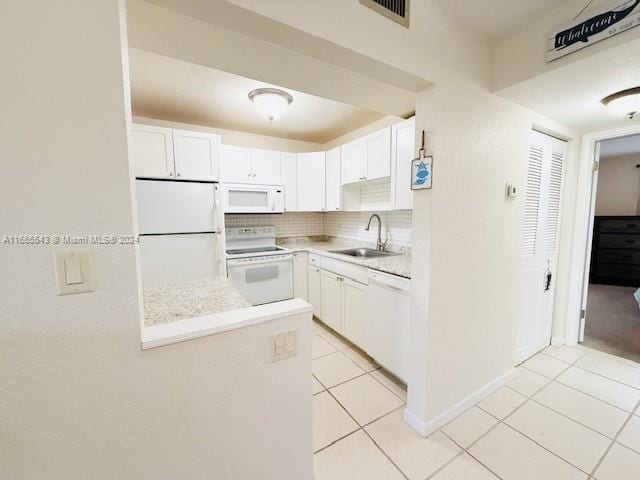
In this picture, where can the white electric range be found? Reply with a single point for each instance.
(261, 270)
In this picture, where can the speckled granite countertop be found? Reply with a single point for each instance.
(176, 301)
(396, 265)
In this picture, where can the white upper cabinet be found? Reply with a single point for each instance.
(378, 154)
(235, 164)
(266, 167)
(152, 151)
(250, 165)
(353, 161)
(403, 151)
(290, 181)
(368, 158)
(159, 152)
(333, 183)
(196, 155)
(311, 182)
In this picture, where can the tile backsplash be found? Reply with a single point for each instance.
(396, 225)
(293, 224)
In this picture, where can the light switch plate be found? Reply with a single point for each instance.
(284, 345)
(75, 271)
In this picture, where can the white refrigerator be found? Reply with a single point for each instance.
(180, 228)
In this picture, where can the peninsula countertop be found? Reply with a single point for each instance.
(171, 302)
(399, 264)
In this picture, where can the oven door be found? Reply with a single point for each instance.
(263, 280)
(241, 198)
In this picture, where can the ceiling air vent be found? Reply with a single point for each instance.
(396, 10)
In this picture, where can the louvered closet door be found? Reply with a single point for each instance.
(540, 235)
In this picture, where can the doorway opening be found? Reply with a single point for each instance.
(612, 296)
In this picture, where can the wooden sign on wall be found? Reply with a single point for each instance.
(609, 19)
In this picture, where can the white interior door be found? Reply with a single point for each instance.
(592, 212)
(545, 171)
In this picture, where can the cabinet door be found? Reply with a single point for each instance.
(331, 300)
(152, 151)
(290, 181)
(265, 167)
(315, 290)
(311, 182)
(301, 275)
(403, 151)
(355, 312)
(196, 155)
(378, 154)
(235, 164)
(333, 183)
(353, 160)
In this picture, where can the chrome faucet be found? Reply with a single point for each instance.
(379, 243)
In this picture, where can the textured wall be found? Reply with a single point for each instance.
(79, 399)
(618, 186)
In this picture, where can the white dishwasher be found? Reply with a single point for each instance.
(389, 313)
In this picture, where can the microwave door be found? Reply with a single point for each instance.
(177, 207)
(249, 199)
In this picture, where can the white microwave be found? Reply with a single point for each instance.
(246, 198)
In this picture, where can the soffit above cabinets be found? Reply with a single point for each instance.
(170, 89)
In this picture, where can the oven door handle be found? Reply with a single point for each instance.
(279, 259)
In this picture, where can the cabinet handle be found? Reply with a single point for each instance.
(177, 175)
(171, 174)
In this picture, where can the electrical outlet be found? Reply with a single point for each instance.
(284, 345)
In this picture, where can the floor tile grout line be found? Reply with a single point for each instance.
(403, 399)
(572, 419)
(385, 453)
(502, 421)
(604, 376)
(590, 474)
(362, 428)
(593, 396)
(613, 442)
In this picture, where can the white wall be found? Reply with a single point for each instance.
(79, 399)
(618, 186)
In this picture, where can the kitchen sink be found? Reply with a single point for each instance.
(364, 253)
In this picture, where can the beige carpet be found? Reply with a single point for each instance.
(613, 321)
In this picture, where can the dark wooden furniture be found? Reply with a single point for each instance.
(615, 256)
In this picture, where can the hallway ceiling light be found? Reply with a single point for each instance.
(270, 102)
(626, 102)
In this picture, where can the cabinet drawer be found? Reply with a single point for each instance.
(618, 271)
(610, 240)
(620, 225)
(626, 257)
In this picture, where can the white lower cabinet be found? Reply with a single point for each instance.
(331, 300)
(315, 289)
(301, 275)
(354, 312)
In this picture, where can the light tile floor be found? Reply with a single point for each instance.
(569, 413)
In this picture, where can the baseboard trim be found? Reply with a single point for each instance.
(426, 429)
(558, 341)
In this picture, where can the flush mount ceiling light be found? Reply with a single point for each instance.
(270, 102)
(626, 102)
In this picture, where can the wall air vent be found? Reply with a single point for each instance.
(396, 10)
